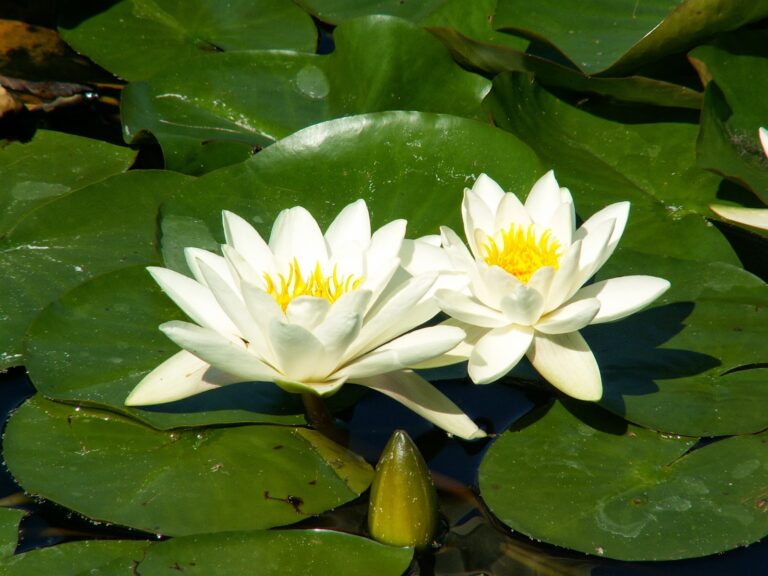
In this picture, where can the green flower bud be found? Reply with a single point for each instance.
(403, 504)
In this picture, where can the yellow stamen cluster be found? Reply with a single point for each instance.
(521, 252)
(317, 285)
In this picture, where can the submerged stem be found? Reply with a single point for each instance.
(322, 420)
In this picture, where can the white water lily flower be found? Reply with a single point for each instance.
(524, 276)
(308, 312)
(754, 217)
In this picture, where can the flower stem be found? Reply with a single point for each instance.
(322, 420)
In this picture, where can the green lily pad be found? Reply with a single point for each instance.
(135, 38)
(178, 483)
(276, 553)
(735, 106)
(403, 164)
(102, 227)
(616, 36)
(251, 99)
(9, 531)
(93, 346)
(494, 58)
(338, 11)
(580, 478)
(92, 557)
(471, 19)
(50, 165)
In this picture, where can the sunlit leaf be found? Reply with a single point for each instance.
(103, 227)
(92, 557)
(615, 36)
(337, 11)
(250, 99)
(134, 38)
(735, 106)
(115, 469)
(580, 478)
(51, 165)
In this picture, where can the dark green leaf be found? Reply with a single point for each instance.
(580, 478)
(86, 558)
(115, 469)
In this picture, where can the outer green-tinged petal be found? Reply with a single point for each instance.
(218, 351)
(351, 229)
(567, 363)
(324, 388)
(497, 352)
(427, 401)
(405, 351)
(194, 299)
(569, 318)
(620, 297)
(755, 217)
(181, 376)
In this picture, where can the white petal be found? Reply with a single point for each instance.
(569, 318)
(299, 355)
(594, 246)
(351, 229)
(425, 400)
(477, 216)
(419, 256)
(522, 306)
(566, 279)
(543, 200)
(295, 234)
(262, 307)
(462, 350)
(457, 251)
(755, 217)
(616, 213)
(488, 191)
(541, 281)
(194, 299)
(412, 348)
(232, 304)
(244, 238)
(336, 334)
(563, 224)
(468, 309)
(181, 376)
(567, 363)
(386, 242)
(241, 269)
(307, 311)
(620, 297)
(497, 352)
(511, 211)
(490, 284)
(219, 352)
(214, 261)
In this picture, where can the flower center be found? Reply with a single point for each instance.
(318, 285)
(521, 252)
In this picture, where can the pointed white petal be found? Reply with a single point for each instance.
(569, 318)
(511, 211)
(488, 191)
(351, 229)
(468, 309)
(262, 307)
(543, 199)
(616, 213)
(620, 297)
(755, 217)
(234, 307)
(241, 269)
(567, 363)
(181, 376)
(419, 256)
(457, 251)
(386, 242)
(218, 263)
(336, 334)
(219, 352)
(477, 216)
(562, 225)
(462, 350)
(307, 311)
(490, 284)
(541, 281)
(194, 299)
(425, 400)
(594, 247)
(295, 234)
(299, 355)
(522, 306)
(412, 348)
(566, 277)
(244, 238)
(497, 352)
